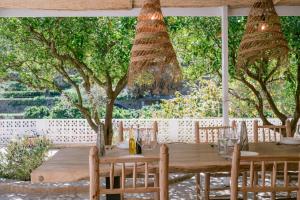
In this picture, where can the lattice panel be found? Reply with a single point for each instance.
(78, 131)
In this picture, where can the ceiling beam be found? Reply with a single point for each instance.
(193, 12)
(67, 4)
(128, 4)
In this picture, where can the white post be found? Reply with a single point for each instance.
(225, 102)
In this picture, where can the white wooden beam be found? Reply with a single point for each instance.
(225, 96)
(194, 12)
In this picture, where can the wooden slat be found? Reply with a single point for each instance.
(269, 189)
(126, 4)
(123, 176)
(251, 174)
(146, 175)
(263, 173)
(235, 173)
(164, 172)
(197, 133)
(94, 173)
(134, 176)
(111, 175)
(129, 190)
(67, 4)
(128, 159)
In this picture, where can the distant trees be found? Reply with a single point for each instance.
(87, 53)
(269, 90)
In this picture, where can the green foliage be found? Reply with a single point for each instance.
(28, 94)
(22, 157)
(204, 100)
(37, 101)
(13, 86)
(36, 112)
(64, 111)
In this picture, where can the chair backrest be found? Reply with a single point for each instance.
(259, 166)
(153, 129)
(210, 134)
(125, 167)
(270, 133)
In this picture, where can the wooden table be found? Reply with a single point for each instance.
(196, 158)
(71, 164)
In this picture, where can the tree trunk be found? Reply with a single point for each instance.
(108, 126)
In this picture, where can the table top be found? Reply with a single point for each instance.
(72, 164)
(194, 158)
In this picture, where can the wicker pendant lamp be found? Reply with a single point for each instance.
(153, 59)
(263, 38)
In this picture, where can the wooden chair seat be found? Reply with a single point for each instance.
(259, 167)
(159, 187)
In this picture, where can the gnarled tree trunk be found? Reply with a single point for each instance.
(108, 125)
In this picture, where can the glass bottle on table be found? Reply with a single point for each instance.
(132, 149)
(138, 144)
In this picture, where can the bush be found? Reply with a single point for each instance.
(15, 86)
(36, 112)
(22, 157)
(29, 94)
(63, 111)
(37, 101)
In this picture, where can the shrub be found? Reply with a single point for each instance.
(36, 112)
(28, 94)
(22, 157)
(15, 86)
(63, 111)
(37, 101)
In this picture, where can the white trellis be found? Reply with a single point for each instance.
(77, 131)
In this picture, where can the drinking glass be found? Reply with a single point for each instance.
(233, 136)
(223, 145)
(147, 139)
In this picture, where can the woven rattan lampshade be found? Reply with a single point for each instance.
(263, 38)
(153, 59)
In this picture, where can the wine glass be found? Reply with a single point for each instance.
(147, 139)
(233, 136)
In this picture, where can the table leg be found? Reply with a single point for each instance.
(198, 186)
(116, 185)
(207, 186)
(156, 184)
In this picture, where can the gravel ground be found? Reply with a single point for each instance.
(182, 191)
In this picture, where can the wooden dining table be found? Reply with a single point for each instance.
(198, 158)
(204, 157)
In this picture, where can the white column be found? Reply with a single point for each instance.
(225, 98)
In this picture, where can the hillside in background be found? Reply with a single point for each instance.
(16, 98)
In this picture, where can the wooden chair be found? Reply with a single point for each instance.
(153, 129)
(209, 134)
(261, 165)
(269, 133)
(123, 166)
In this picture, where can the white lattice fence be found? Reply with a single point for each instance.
(77, 131)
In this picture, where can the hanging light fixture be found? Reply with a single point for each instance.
(263, 38)
(153, 59)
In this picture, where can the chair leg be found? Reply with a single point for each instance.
(198, 185)
(273, 195)
(156, 184)
(256, 183)
(206, 186)
(244, 184)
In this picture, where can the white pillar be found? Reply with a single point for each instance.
(225, 97)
